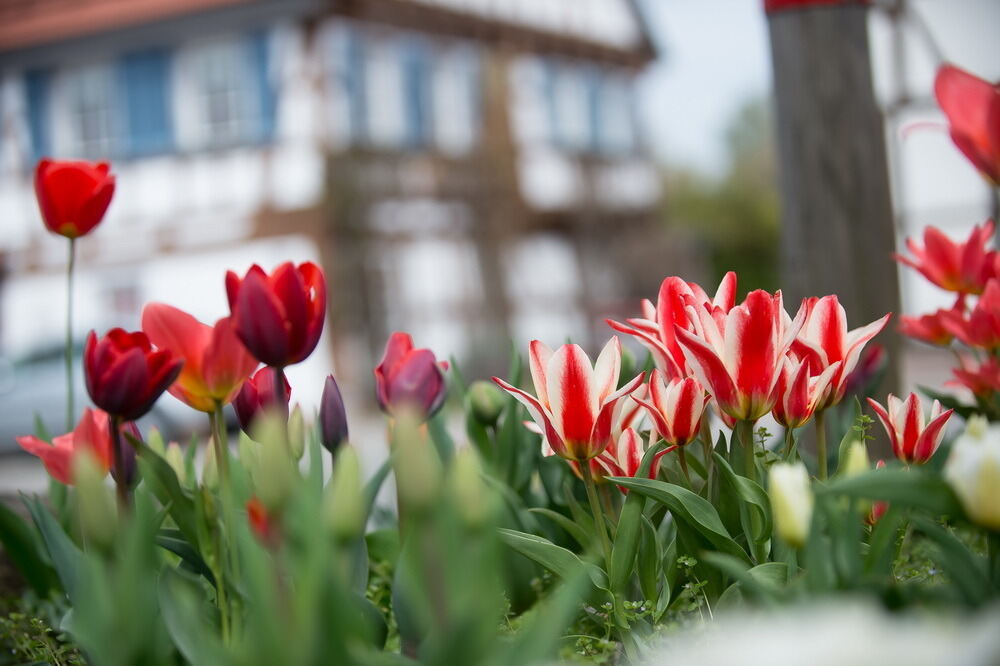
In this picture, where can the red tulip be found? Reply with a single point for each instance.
(409, 378)
(738, 355)
(964, 267)
(124, 375)
(575, 402)
(927, 328)
(623, 457)
(279, 317)
(973, 109)
(912, 440)
(92, 433)
(676, 407)
(215, 362)
(825, 342)
(656, 330)
(982, 379)
(73, 196)
(258, 395)
(799, 393)
(982, 327)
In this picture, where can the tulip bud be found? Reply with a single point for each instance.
(296, 433)
(486, 402)
(210, 469)
(275, 475)
(154, 440)
(855, 459)
(973, 470)
(96, 506)
(248, 451)
(792, 502)
(415, 462)
(258, 395)
(332, 416)
(344, 506)
(470, 496)
(175, 458)
(409, 379)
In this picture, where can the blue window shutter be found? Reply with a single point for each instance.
(354, 72)
(594, 114)
(260, 53)
(415, 84)
(145, 91)
(37, 91)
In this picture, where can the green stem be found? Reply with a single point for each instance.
(228, 556)
(706, 443)
(220, 591)
(744, 432)
(821, 444)
(595, 508)
(789, 442)
(70, 411)
(682, 458)
(218, 424)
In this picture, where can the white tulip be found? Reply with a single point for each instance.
(792, 502)
(973, 470)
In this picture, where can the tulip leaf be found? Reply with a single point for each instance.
(580, 535)
(163, 482)
(375, 484)
(626, 542)
(964, 569)
(688, 507)
(649, 559)
(762, 582)
(173, 541)
(882, 545)
(914, 488)
(185, 614)
(754, 497)
(439, 436)
(22, 547)
(67, 558)
(556, 559)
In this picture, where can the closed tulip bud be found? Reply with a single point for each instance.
(792, 502)
(332, 416)
(275, 475)
(296, 433)
(154, 440)
(470, 496)
(175, 458)
(409, 380)
(344, 505)
(486, 402)
(855, 459)
(258, 395)
(73, 196)
(973, 470)
(210, 469)
(94, 501)
(415, 462)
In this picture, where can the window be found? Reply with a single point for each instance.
(617, 122)
(37, 85)
(569, 125)
(145, 83)
(91, 127)
(416, 83)
(456, 100)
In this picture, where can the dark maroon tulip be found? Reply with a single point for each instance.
(409, 378)
(257, 395)
(124, 375)
(332, 416)
(279, 317)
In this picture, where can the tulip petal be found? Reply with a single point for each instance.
(538, 414)
(539, 355)
(711, 372)
(569, 384)
(260, 321)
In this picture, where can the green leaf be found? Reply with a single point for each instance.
(689, 508)
(648, 562)
(439, 436)
(556, 559)
(626, 541)
(882, 545)
(182, 549)
(754, 496)
(580, 535)
(914, 488)
(964, 569)
(375, 484)
(24, 551)
(185, 616)
(162, 481)
(66, 558)
(762, 582)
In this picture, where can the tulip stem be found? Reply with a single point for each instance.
(744, 432)
(821, 445)
(706, 443)
(121, 482)
(218, 424)
(595, 508)
(70, 411)
(789, 442)
(279, 388)
(682, 458)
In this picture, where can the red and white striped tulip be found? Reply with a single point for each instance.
(799, 394)
(676, 407)
(738, 355)
(575, 402)
(655, 330)
(913, 440)
(623, 457)
(825, 342)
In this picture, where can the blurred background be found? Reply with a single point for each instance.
(470, 171)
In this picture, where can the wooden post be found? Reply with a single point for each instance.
(837, 232)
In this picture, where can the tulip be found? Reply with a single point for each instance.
(676, 407)
(973, 471)
(927, 328)
(982, 379)
(332, 416)
(855, 459)
(575, 401)
(799, 394)
(409, 379)
(279, 317)
(825, 342)
(73, 196)
(912, 440)
(964, 267)
(738, 355)
(656, 329)
(982, 327)
(296, 431)
(792, 502)
(125, 376)
(91, 434)
(215, 361)
(623, 457)
(258, 395)
(973, 109)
